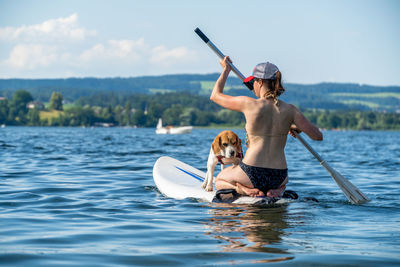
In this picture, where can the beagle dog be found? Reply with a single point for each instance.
(225, 149)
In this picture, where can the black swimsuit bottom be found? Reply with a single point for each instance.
(264, 179)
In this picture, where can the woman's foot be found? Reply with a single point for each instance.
(253, 192)
(276, 192)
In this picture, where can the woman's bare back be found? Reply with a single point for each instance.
(267, 129)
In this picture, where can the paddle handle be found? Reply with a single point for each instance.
(222, 56)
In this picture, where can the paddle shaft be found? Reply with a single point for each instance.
(220, 54)
(309, 148)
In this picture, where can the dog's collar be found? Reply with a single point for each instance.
(220, 157)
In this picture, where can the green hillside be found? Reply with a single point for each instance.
(328, 96)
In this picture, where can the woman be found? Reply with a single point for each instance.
(263, 170)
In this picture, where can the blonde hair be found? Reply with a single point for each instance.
(274, 88)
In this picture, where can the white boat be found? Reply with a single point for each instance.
(172, 130)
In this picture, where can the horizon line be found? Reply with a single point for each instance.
(178, 74)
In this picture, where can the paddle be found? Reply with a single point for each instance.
(353, 194)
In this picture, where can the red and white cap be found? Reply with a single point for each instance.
(265, 71)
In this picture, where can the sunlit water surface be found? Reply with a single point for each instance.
(86, 197)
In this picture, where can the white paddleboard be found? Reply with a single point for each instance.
(179, 180)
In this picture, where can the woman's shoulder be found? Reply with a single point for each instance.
(247, 100)
(283, 104)
(287, 108)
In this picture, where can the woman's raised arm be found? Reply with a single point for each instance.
(236, 103)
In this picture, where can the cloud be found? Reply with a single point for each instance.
(115, 50)
(167, 57)
(32, 56)
(134, 57)
(60, 47)
(134, 51)
(60, 29)
(114, 57)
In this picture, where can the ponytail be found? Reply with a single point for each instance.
(274, 88)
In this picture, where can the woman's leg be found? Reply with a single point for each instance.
(234, 177)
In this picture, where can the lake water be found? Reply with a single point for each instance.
(86, 197)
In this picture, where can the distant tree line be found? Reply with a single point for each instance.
(354, 120)
(144, 110)
(335, 96)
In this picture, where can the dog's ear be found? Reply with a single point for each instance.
(240, 144)
(216, 145)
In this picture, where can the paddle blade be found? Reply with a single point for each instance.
(352, 193)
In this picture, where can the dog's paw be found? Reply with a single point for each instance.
(209, 188)
(206, 186)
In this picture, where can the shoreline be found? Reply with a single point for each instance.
(216, 127)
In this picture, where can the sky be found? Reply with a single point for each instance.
(313, 41)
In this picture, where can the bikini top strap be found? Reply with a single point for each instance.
(267, 134)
